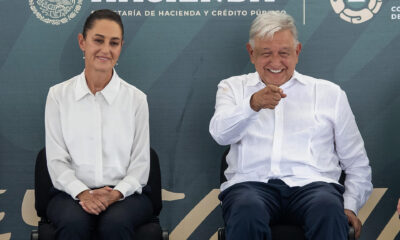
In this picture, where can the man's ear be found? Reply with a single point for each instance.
(251, 52)
(81, 41)
(298, 49)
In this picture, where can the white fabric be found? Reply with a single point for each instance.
(97, 140)
(310, 136)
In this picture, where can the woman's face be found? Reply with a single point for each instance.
(102, 45)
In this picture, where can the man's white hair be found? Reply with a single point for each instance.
(265, 25)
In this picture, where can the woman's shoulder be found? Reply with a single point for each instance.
(65, 86)
(132, 89)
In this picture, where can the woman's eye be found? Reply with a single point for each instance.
(98, 40)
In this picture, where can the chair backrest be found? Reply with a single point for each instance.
(224, 165)
(43, 184)
(155, 182)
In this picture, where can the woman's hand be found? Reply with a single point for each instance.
(106, 195)
(90, 203)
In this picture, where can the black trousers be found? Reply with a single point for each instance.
(118, 221)
(249, 207)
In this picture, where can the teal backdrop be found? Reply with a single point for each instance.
(177, 54)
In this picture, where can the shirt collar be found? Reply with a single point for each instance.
(296, 77)
(81, 88)
(254, 80)
(109, 92)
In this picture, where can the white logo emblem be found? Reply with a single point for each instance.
(55, 12)
(358, 16)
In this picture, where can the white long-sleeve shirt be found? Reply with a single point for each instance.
(97, 140)
(310, 136)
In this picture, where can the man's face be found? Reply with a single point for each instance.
(275, 59)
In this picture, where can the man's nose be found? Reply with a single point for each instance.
(275, 60)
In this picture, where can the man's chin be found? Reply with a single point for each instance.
(275, 81)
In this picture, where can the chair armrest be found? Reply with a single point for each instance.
(352, 233)
(35, 235)
(165, 234)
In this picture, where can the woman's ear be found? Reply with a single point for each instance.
(81, 41)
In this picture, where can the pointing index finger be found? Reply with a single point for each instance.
(274, 88)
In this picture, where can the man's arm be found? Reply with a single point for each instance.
(353, 157)
(354, 161)
(233, 116)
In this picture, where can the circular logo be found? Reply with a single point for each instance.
(55, 12)
(356, 16)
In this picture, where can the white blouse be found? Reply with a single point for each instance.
(97, 140)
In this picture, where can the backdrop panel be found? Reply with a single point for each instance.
(177, 51)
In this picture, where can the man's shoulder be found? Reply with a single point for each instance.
(241, 79)
(320, 84)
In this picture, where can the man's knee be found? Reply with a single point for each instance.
(249, 209)
(327, 204)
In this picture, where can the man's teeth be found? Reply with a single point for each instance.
(275, 71)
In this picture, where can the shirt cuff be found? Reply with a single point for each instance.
(247, 110)
(75, 188)
(351, 204)
(127, 189)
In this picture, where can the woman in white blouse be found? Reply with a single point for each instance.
(97, 142)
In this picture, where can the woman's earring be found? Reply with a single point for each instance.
(83, 57)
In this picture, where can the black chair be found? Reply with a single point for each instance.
(46, 231)
(279, 231)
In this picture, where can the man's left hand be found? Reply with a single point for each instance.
(354, 221)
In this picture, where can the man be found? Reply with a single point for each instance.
(290, 135)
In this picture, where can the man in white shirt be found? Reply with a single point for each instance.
(290, 136)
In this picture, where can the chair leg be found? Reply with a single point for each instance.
(221, 233)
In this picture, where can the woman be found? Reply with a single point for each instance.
(97, 142)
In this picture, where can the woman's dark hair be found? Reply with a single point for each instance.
(102, 14)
